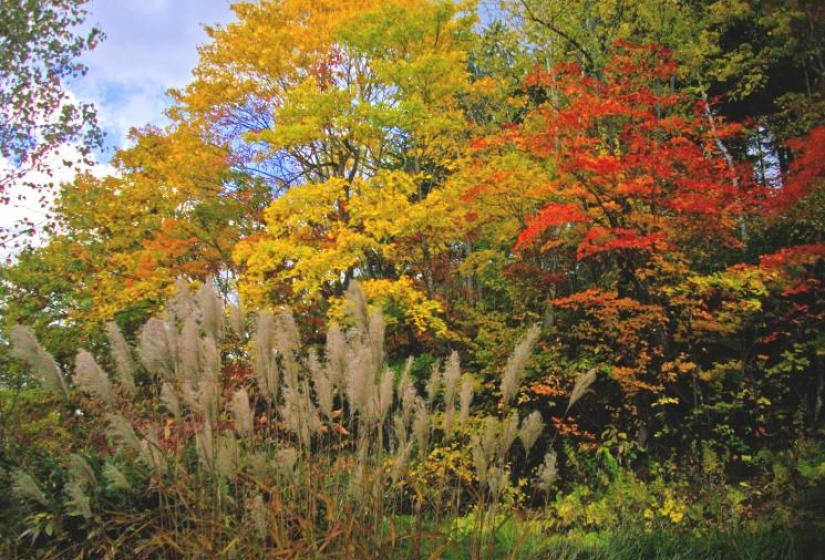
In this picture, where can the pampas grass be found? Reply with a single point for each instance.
(241, 412)
(264, 365)
(122, 356)
(24, 487)
(339, 450)
(583, 383)
(121, 431)
(169, 399)
(91, 379)
(531, 428)
(78, 502)
(211, 310)
(452, 375)
(189, 351)
(228, 459)
(115, 478)
(516, 364)
(466, 398)
(81, 471)
(548, 472)
(26, 347)
(155, 350)
(236, 319)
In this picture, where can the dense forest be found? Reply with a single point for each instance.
(425, 279)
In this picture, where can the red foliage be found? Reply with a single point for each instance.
(604, 240)
(549, 216)
(634, 161)
(797, 255)
(807, 171)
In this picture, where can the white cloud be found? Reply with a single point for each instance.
(29, 205)
(150, 46)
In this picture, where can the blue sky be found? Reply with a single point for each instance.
(150, 46)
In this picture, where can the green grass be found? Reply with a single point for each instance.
(634, 544)
(516, 540)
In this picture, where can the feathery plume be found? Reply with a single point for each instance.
(91, 379)
(449, 420)
(407, 392)
(516, 363)
(323, 392)
(241, 412)
(227, 462)
(24, 487)
(287, 337)
(189, 353)
(316, 371)
(531, 429)
(121, 431)
(78, 503)
(263, 356)
(377, 328)
(300, 415)
(400, 463)
(498, 478)
(313, 420)
(490, 435)
(509, 432)
(335, 356)
(154, 349)
(115, 477)
(257, 513)
(182, 304)
(288, 343)
(237, 319)
(547, 472)
(433, 383)
(359, 378)
(385, 394)
(122, 355)
(169, 398)
(421, 429)
(81, 471)
(583, 383)
(399, 426)
(206, 402)
(452, 373)
(26, 347)
(210, 306)
(356, 307)
(466, 398)
(210, 360)
(259, 463)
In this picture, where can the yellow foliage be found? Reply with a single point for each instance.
(401, 302)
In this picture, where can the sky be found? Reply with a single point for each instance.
(150, 47)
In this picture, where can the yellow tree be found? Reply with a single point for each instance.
(172, 209)
(355, 110)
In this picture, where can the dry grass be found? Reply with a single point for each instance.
(304, 457)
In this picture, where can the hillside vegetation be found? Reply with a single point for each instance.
(401, 281)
